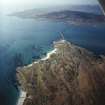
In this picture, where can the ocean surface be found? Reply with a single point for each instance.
(25, 40)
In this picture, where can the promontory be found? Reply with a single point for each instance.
(69, 75)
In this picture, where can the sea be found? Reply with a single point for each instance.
(23, 41)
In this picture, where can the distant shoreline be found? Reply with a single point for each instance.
(68, 16)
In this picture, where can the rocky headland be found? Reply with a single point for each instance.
(69, 75)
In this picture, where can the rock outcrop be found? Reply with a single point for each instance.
(70, 76)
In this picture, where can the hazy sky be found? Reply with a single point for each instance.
(24, 4)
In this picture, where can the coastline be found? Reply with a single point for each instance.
(22, 93)
(46, 57)
(21, 98)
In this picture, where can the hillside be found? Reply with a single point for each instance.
(70, 75)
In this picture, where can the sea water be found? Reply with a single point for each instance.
(25, 40)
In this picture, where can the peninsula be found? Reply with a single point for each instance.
(68, 75)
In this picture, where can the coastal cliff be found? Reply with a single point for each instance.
(69, 75)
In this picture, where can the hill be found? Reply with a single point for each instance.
(69, 75)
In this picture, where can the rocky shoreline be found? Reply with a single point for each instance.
(23, 96)
(69, 75)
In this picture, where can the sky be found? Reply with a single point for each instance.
(13, 5)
